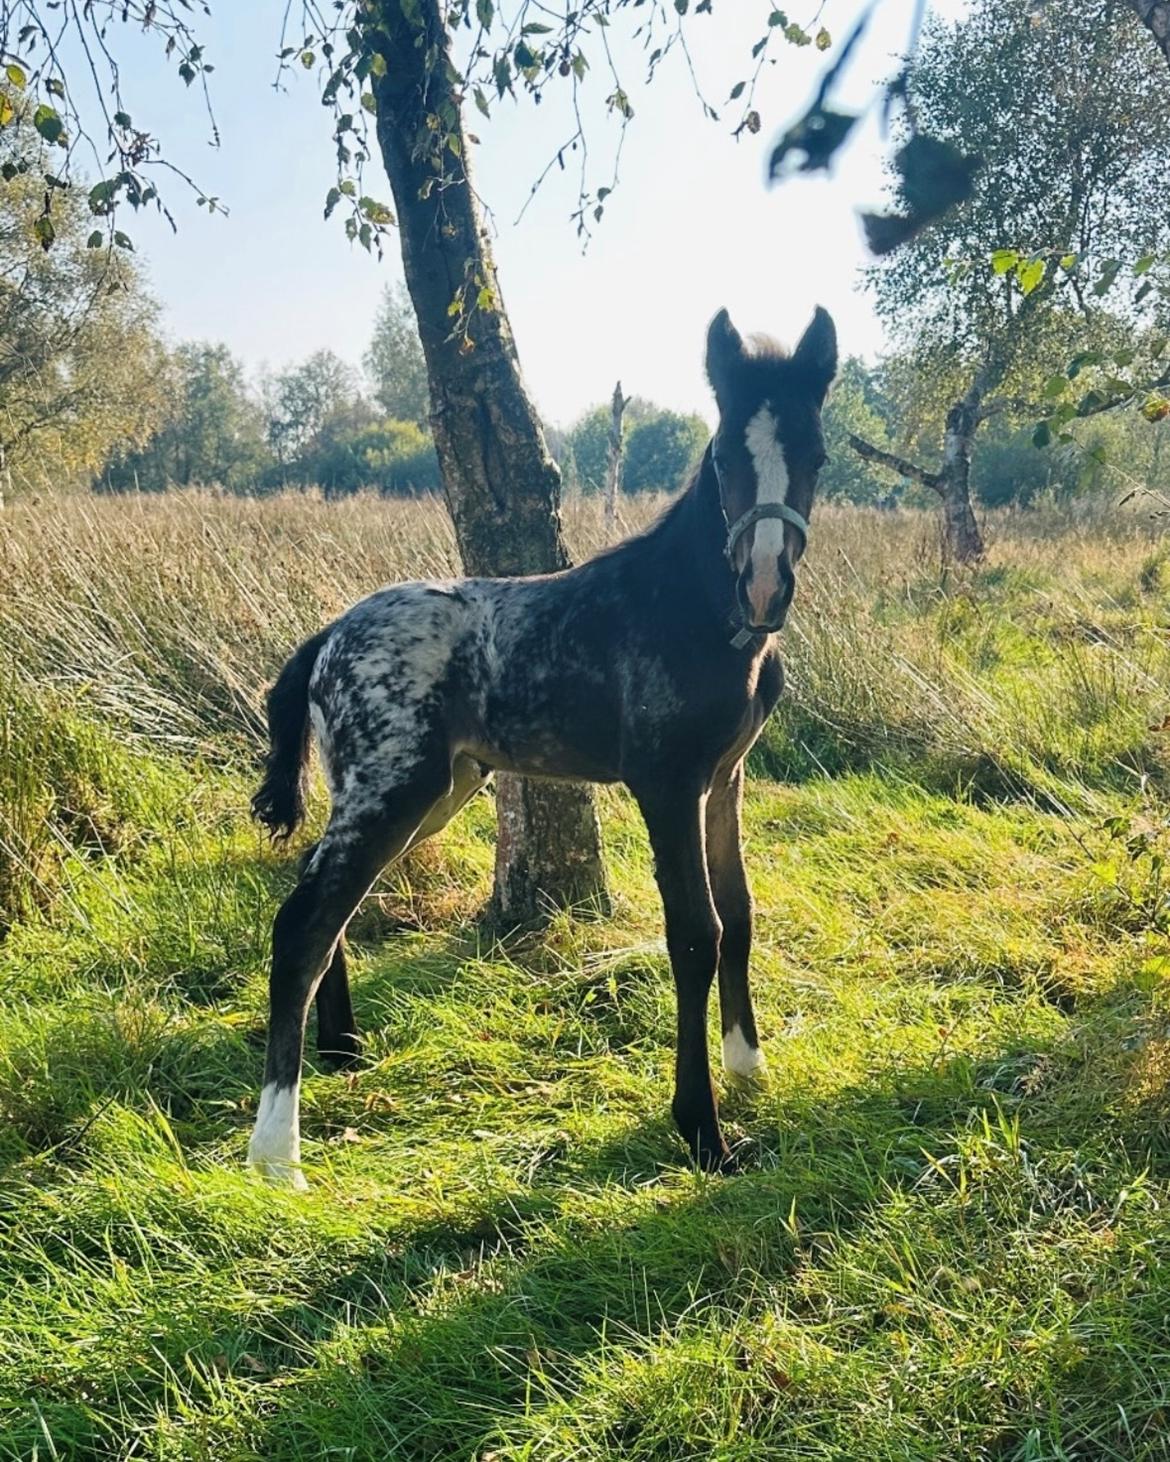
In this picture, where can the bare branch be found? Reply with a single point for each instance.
(900, 465)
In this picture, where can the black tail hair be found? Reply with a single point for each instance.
(280, 801)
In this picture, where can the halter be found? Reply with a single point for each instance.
(753, 516)
(736, 531)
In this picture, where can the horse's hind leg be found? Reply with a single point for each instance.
(338, 1042)
(305, 935)
(337, 1037)
(733, 901)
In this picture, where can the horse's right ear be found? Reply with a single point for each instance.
(724, 355)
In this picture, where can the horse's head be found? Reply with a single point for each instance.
(767, 451)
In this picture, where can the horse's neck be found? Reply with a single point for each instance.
(702, 530)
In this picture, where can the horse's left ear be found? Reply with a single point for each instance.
(724, 356)
(816, 355)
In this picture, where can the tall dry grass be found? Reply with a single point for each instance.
(143, 622)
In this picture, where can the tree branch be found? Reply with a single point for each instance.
(897, 464)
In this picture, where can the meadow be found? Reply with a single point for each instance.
(952, 1237)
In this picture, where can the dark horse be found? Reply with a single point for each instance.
(653, 664)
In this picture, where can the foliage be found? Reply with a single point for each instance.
(856, 406)
(660, 447)
(214, 433)
(394, 361)
(949, 1240)
(1089, 182)
(80, 360)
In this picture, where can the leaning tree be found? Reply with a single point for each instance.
(1067, 108)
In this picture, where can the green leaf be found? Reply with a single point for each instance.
(95, 240)
(1004, 259)
(737, 90)
(1145, 264)
(1081, 360)
(308, 59)
(824, 40)
(102, 195)
(484, 13)
(368, 102)
(16, 75)
(376, 211)
(7, 110)
(49, 125)
(534, 28)
(481, 101)
(681, 6)
(1030, 275)
(378, 64)
(123, 241)
(332, 199)
(44, 230)
(1068, 262)
(1054, 387)
(1042, 435)
(122, 119)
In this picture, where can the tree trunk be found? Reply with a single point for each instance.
(501, 484)
(613, 472)
(962, 540)
(1155, 15)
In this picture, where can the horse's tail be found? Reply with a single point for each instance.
(280, 801)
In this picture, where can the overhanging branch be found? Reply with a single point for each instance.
(897, 464)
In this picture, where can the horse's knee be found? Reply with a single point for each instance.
(693, 943)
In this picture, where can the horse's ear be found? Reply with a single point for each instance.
(816, 355)
(724, 354)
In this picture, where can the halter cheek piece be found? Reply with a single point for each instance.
(736, 531)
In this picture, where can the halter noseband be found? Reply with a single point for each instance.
(753, 515)
(735, 532)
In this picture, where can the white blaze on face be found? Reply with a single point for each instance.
(771, 487)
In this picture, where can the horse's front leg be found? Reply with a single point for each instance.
(674, 820)
(733, 903)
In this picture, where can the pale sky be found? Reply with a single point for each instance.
(690, 228)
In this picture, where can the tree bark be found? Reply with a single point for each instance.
(961, 537)
(613, 472)
(501, 484)
(1155, 16)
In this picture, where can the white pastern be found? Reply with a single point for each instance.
(771, 467)
(738, 1057)
(275, 1148)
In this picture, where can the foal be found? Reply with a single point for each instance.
(653, 664)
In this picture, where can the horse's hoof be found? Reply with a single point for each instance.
(342, 1052)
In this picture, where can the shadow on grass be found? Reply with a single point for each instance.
(429, 1343)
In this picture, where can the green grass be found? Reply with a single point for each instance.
(952, 1237)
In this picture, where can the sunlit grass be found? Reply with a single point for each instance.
(951, 1239)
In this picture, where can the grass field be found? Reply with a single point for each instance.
(953, 1237)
